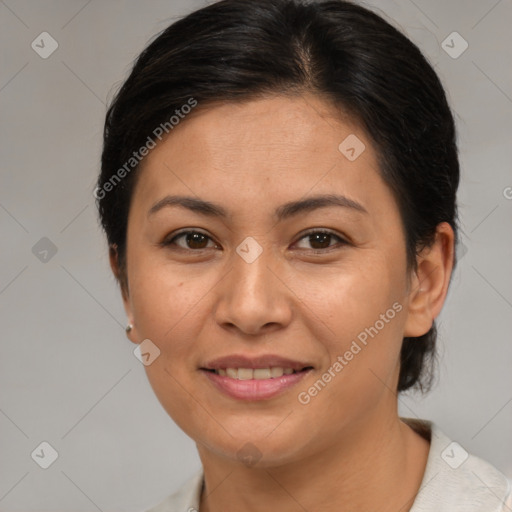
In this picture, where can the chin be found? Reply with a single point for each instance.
(253, 449)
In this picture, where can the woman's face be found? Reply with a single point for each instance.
(253, 282)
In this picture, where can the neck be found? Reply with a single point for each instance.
(376, 465)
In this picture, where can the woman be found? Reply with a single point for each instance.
(278, 191)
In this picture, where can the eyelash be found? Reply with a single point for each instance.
(341, 241)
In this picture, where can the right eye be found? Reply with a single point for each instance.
(191, 240)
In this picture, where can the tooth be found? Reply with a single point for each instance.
(258, 373)
(245, 373)
(232, 372)
(262, 373)
(276, 372)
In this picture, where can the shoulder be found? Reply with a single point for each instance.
(456, 480)
(184, 499)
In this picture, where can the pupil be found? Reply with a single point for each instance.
(320, 237)
(194, 240)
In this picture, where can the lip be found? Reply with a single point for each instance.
(263, 361)
(255, 389)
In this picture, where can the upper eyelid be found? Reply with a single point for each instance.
(313, 231)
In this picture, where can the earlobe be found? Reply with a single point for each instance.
(114, 265)
(429, 284)
(130, 333)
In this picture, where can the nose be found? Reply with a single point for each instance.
(253, 297)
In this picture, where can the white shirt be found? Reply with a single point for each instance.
(454, 481)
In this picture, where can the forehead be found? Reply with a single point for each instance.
(264, 150)
(289, 127)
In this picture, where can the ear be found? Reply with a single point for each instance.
(429, 283)
(123, 284)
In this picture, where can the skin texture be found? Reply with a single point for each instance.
(201, 300)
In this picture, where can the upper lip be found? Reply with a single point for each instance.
(263, 361)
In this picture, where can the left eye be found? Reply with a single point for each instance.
(322, 239)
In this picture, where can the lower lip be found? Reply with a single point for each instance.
(255, 389)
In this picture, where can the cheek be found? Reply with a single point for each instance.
(364, 311)
(362, 363)
(168, 309)
(165, 298)
(354, 296)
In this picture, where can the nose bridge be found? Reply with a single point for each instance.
(250, 267)
(252, 297)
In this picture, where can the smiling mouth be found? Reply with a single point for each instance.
(274, 372)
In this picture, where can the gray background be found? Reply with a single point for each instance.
(68, 375)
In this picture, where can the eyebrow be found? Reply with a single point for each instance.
(281, 213)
